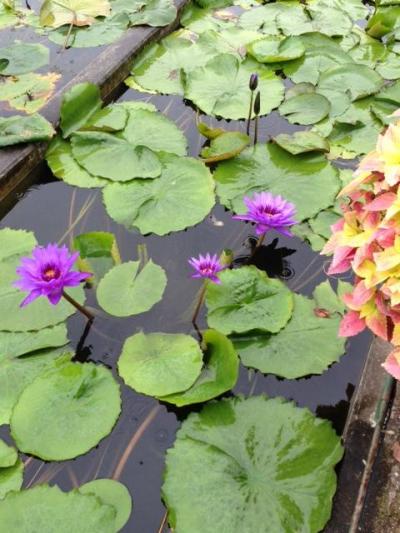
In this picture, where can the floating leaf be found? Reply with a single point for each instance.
(113, 493)
(16, 242)
(274, 49)
(108, 156)
(301, 142)
(77, 106)
(130, 289)
(20, 58)
(8, 455)
(307, 345)
(15, 130)
(67, 511)
(219, 373)
(63, 165)
(17, 373)
(155, 131)
(330, 20)
(359, 80)
(28, 92)
(158, 364)
(98, 252)
(76, 12)
(305, 108)
(152, 12)
(224, 146)
(247, 299)
(11, 479)
(181, 197)
(48, 417)
(384, 20)
(112, 118)
(307, 180)
(16, 343)
(221, 87)
(251, 461)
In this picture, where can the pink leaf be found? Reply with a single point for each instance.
(351, 324)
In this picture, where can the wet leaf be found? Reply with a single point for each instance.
(247, 299)
(301, 142)
(17, 129)
(131, 288)
(218, 375)
(48, 417)
(242, 477)
(22, 57)
(28, 92)
(224, 146)
(56, 13)
(69, 511)
(113, 493)
(181, 197)
(305, 108)
(77, 106)
(158, 364)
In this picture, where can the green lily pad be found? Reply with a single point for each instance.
(247, 299)
(28, 92)
(48, 417)
(224, 146)
(17, 343)
(158, 364)
(349, 140)
(16, 242)
(384, 20)
(328, 19)
(11, 478)
(155, 131)
(78, 104)
(20, 58)
(301, 142)
(17, 373)
(221, 87)
(114, 493)
(181, 197)
(8, 455)
(153, 13)
(307, 345)
(66, 511)
(17, 129)
(305, 108)
(307, 180)
(255, 465)
(359, 80)
(131, 288)
(63, 165)
(108, 156)
(98, 252)
(219, 373)
(273, 49)
(109, 119)
(262, 19)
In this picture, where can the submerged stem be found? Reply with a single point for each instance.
(78, 306)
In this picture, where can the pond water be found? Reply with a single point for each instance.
(134, 451)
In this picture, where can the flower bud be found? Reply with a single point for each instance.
(257, 104)
(253, 83)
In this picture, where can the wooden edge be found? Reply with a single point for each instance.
(361, 438)
(108, 70)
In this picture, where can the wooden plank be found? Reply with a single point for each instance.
(108, 70)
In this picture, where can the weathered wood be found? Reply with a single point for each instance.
(108, 70)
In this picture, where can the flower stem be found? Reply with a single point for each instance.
(250, 112)
(78, 306)
(257, 246)
(198, 305)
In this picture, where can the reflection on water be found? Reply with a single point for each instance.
(134, 452)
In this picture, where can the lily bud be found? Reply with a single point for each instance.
(253, 83)
(257, 104)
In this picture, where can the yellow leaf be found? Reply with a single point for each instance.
(56, 13)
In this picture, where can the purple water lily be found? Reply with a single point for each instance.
(269, 212)
(47, 273)
(206, 267)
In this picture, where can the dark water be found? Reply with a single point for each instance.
(134, 452)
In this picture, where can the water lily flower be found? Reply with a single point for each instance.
(47, 273)
(269, 212)
(253, 83)
(207, 267)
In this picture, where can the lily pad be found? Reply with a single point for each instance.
(67, 511)
(307, 345)
(76, 12)
(111, 119)
(301, 142)
(8, 455)
(181, 197)
(241, 476)
(48, 417)
(219, 373)
(273, 49)
(108, 156)
(158, 364)
(28, 92)
(98, 252)
(221, 87)
(113, 493)
(152, 12)
(20, 58)
(11, 478)
(307, 180)
(131, 288)
(305, 109)
(17, 343)
(77, 106)
(17, 373)
(247, 299)
(16, 242)
(359, 80)
(224, 146)
(17, 129)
